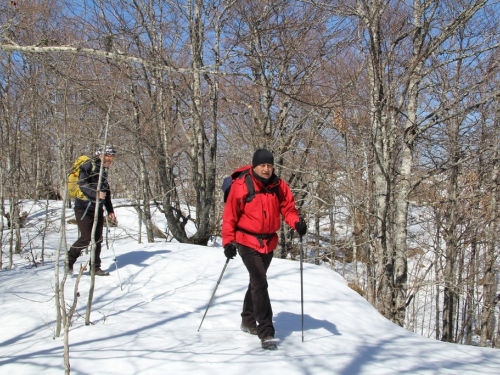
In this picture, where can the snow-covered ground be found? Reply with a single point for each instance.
(148, 323)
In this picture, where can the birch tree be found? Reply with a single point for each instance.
(398, 82)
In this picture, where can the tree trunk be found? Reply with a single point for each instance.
(201, 152)
(94, 226)
(451, 240)
(490, 272)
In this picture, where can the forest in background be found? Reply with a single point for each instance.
(373, 110)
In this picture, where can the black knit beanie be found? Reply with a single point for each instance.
(262, 156)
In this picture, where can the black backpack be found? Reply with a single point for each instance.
(228, 181)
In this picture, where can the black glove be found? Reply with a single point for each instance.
(230, 251)
(301, 227)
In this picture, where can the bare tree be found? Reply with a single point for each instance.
(370, 107)
(491, 257)
(397, 83)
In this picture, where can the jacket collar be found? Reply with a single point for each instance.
(274, 179)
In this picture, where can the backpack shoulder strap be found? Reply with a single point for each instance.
(250, 187)
(92, 163)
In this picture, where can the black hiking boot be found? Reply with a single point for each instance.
(252, 331)
(99, 272)
(269, 343)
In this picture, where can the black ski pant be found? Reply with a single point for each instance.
(257, 311)
(85, 224)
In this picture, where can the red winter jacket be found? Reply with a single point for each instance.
(260, 216)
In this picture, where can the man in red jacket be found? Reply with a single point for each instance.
(250, 228)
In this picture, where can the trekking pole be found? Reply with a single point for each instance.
(86, 210)
(114, 255)
(301, 287)
(213, 294)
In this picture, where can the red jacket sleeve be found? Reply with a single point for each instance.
(288, 209)
(231, 213)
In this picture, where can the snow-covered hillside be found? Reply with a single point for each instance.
(151, 326)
